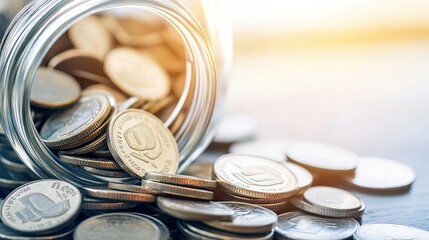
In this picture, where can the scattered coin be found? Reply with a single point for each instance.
(178, 190)
(248, 219)
(254, 176)
(300, 203)
(53, 89)
(228, 196)
(131, 188)
(382, 175)
(90, 34)
(106, 193)
(318, 156)
(137, 74)
(74, 123)
(41, 206)
(272, 148)
(195, 210)
(8, 233)
(102, 163)
(140, 143)
(117, 226)
(304, 177)
(235, 128)
(202, 170)
(181, 180)
(389, 231)
(332, 198)
(300, 225)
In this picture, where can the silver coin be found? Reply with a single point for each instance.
(300, 203)
(305, 178)
(332, 198)
(389, 231)
(248, 218)
(195, 210)
(8, 233)
(114, 226)
(165, 232)
(197, 230)
(41, 206)
(106, 193)
(300, 225)
(106, 205)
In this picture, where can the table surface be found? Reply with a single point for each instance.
(371, 98)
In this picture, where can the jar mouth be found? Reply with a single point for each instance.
(37, 28)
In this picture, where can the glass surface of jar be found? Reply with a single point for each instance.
(32, 32)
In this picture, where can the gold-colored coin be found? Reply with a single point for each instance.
(74, 60)
(178, 190)
(181, 180)
(97, 88)
(167, 58)
(140, 143)
(54, 89)
(254, 176)
(90, 34)
(137, 74)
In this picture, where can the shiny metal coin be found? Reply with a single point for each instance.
(321, 156)
(300, 225)
(178, 190)
(106, 173)
(95, 144)
(131, 188)
(105, 205)
(41, 206)
(202, 170)
(248, 218)
(389, 231)
(126, 226)
(102, 163)
(53, 89)
(254, 176)
(332, 198)
(221, 194)
(181, 180)
(74, 123)
(305, 178)
(140, 143)
(165, 232)
(197, 230)
(195, 210)
(106, 193)
(382, 175)
(279, 207)
(304, 205)
(8, 233)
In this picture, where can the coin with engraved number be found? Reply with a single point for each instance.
(53, 89)
(8, 233)
(300, 225)
(74, 123)
(389, 231)
(41, 207)
(304, 177)
(254, 176)
(137, 74)
(181, 180)
(195, 210)
(332, 198)
(178, 190)
(117, 226)
(197, 230)
(140, 143)
(90, 34)
(321, 156)
(248, 218)
(382, 175)
(106, 193)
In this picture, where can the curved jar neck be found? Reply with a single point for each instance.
(35, 29)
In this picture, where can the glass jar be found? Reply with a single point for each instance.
(34, 30)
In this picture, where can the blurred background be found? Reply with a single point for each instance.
(351, 73)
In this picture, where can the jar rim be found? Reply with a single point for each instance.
(40, 24)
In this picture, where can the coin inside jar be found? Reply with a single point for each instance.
(53, 89)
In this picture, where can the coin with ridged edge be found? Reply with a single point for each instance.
(107, 193)
(117, 226)
(254, 176)
(41, 207)
(106, 205)
(131, 188)
(303, 205)
(140, 143)
(332, 198)
(301, 225)
(103, 163)
(181, 180)
(248, 219)
(97, 143)
(178, 190)
(195, 210)
(74, 123)
(106, 173)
